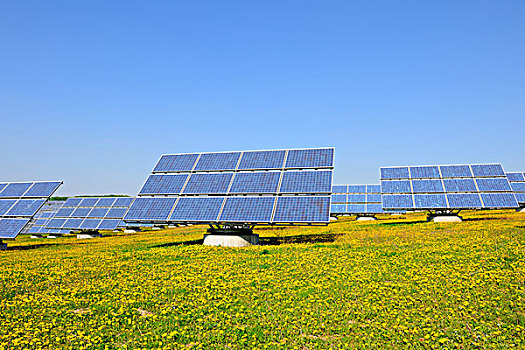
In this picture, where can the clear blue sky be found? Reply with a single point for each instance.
(94, 92)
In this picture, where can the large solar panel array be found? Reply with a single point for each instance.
(257, 187)
(517, 183)
(90, 213)
(444, 187)
(19, 202)
(356, 199)
(38, 224)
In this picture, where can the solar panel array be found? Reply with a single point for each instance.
(38, 224)
(444, 187)
(90, 213)
(277, 186)
(356, 199)
(517, 183)
(19, 202)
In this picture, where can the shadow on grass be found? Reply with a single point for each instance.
(480, 219)
(320, 238)
(32, 246)
(172, 244)
(404, 222)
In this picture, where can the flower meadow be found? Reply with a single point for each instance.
(398, 282)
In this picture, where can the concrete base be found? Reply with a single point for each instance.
(88, 235)
(52, 236)
(333, 218)
(172, 226)
(366, 218)
(3, 246)
(154, 228)
(521, 210)
(447, 218)
(130, 231)
(36, 236)
(231, 240)
(396, 214)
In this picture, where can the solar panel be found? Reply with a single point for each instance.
(445, 187)
(359, 199)
(90, 213)
(234, 187)
(295, 209)
(517, 183)
(20, 202)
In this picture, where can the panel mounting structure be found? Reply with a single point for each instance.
(445, 188)
(269, 187)
(90, 213)
(517, 183)
(19, 202)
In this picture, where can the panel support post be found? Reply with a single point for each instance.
(231, 236)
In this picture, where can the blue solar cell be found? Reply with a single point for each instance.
(90, 224)
(10, 228)
(150, 209)
(164, 184)
(455, 171)
(373, 198)
(520, 197)
(45, 215)
(123, 202)
(262, 160)
(25, 207)
(110, 224)
(339, 198)
(248, 209)
(98, 213)
(35, 229)
(64, 212)
(487, 170)
(176, 162)
(56, 223)
(80, 212)
(373, 188)
(116, 213)
(42, 189)
(338, 208)
(518, 186)
(197, 209)
(372, 208)
(493, 185)
(356, 208)
(257, 182)
(460, 185)
(106, 202)
(41, 222)
(297, 209)
(394, 173)
(424, 172)
(306, 182)
(356, 198)
(499, 200)
(5, 205)
(310, 158)
(396, 186)
(516, 177)
(88, 202)
(72, 224)
(2, 186)
(208, 183)
(339, 189)
(426, 186)
(15, 189)
(356, 188)
(218, 161)
(398, 201)
(464, 200)
(72, 202)
(430, 201)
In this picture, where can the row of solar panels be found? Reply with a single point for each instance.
(261, 182)
(356, 189)
(368, 208)
(442, 171)
(450, 201)
(83, 224)
(28, 189)
(106, 202)
(20, 208)
(446, 185)
(248, 160)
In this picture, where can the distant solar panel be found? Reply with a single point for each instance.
(446, 187)
(249, 187)
(90, 213)
(356, 200)
(517, 183)
(19, 202)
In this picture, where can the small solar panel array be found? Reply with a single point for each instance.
(19, 202)
(477, 186)
(90, 213)
(38, 224)
(356, 199)
(250, 187)
(517, 183)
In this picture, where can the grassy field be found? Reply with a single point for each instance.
(396, 283)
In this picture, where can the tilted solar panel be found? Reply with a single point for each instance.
(446, 187)
(517, 183)
(359, 199)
